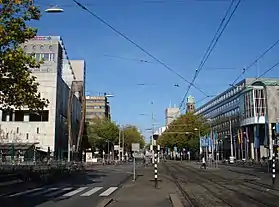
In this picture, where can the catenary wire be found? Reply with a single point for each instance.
(268, 70)
(211, 46)
(137, 45)
(256, 60)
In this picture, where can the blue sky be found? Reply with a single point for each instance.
(176, 32)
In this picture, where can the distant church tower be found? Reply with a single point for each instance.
(190, 104)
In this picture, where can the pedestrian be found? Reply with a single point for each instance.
(203, 163)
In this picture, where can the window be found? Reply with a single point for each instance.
(27, 136)
(38, 130)
(46, 56)
(260, 104)
(51, 57)
(19, 115)
(41, 116)
(17, 130)
(7, 115)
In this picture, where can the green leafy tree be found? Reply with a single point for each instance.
(132, 135)
(100, 132)
(185, 132)
(18, 87)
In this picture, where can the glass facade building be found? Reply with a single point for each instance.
(246, 114)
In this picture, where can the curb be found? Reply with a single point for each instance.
(105, 202)
(175, 200)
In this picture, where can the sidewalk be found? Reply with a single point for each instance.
(143, 193)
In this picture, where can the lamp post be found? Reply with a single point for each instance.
(54, 9)
(199, 134)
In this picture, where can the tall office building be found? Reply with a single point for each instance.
(97, 107)
(171, 114)
(46, 129)
(245, 113)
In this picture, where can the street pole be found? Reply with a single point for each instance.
(123, 145)
(231, 138)
(134, 160)
(108, 152)
(119, 137)
(152, 139)
(155, 165)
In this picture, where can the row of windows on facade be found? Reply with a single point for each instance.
(222, 97)
(95, 107)
(230, 113)
(96, 101)
(25, 116)
(219, 110)
(41, 47)
(18, 132)
(43, 56)
(95, 113)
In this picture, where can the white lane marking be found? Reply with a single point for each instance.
(92, 191)
(10, 182)
(25, 192)
(42, 192)
(58, 192)
(74, 192)
(108, 191)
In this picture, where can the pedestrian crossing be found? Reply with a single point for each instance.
(65, 192)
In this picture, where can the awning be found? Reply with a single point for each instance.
(17, 146)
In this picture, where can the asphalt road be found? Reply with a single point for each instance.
(223, 186)
(87, 189)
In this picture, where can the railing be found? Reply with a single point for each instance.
(40, 171)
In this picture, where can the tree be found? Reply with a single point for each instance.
(184, 132)
(18, 87)
(132, 135)
(100, 132)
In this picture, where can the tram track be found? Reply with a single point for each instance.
(224, 190)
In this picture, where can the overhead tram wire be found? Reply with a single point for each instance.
(268, 70)
(135, 44)
(255, 61)
(212, 45)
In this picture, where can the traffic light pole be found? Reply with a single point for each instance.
(155, 165)
(273, 167)
(155, 150)
(275, 146)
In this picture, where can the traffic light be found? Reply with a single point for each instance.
(155, 136)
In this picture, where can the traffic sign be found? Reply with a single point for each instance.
(135, 147)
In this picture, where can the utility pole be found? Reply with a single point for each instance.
(275, 146)
(123, 145)
(69, 121)
(152, 140)
(155, 148)
(119, 147)
(231, 138)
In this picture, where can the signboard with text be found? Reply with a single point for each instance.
(135, 147)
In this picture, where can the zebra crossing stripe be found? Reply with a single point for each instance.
(74, 192)
(44, 191)
(25, 192)
(108, 191)
(58, 192)
(92, 191)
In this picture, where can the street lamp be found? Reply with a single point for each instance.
(54, 9)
